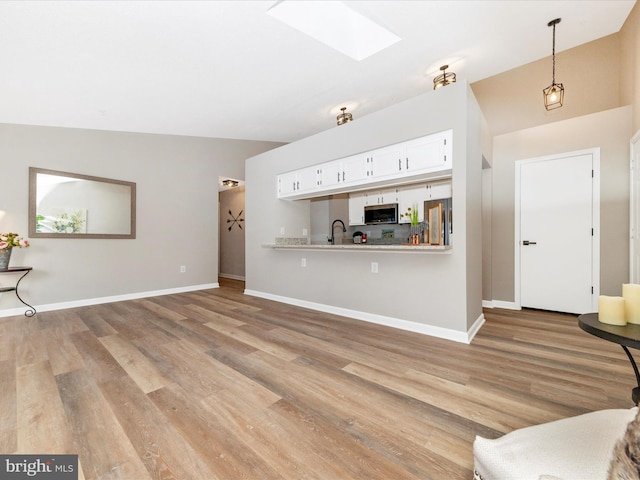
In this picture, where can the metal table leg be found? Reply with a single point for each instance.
(31, 311)
(635, 393)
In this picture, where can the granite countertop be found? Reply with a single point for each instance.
(377, 245)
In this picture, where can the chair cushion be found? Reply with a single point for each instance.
(575, 448)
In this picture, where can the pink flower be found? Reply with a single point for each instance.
(4, 245)
(23, 242)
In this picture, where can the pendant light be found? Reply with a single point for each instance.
(554, 93)
(444, 79)
(344, 117)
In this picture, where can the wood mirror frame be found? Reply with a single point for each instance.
(80, 206)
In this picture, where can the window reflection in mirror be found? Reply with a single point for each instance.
(69, 205)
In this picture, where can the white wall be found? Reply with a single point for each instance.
(437, 290)
(177, 211)
(611, 131)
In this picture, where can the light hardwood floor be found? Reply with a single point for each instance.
(218, 385)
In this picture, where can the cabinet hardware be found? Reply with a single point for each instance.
(399, 164)
(527, 242)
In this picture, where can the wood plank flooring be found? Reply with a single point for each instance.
(218, 385)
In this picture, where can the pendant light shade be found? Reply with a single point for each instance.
(444, 79)
(554, 93)
(344, 117)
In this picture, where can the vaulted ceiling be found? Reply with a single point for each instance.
(227, 69)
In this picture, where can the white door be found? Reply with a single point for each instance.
(556, 238)
(635, 209)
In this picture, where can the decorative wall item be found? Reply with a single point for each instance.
(435, 225)
(71, 205)
(235, 220)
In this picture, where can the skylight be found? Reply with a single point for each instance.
(335, 25)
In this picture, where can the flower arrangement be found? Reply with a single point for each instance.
(412, 215)
(69, 223)
(10, 240)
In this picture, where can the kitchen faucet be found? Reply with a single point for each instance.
(333, 226)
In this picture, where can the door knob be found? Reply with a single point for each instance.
(527, 242)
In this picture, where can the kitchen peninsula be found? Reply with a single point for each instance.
(432, 290)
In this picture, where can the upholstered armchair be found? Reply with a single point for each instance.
(576, 448)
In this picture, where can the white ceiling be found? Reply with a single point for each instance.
(227, 69)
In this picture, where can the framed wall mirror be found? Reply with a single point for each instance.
(70, 205)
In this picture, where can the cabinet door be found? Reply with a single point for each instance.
(356, 169)
(428, 154)
(412, 197)
(357, 201)
(287, 184)
(331, 174)
(389, 196)
(307, 179)
(387, 162)
(438, 190)
(298, 182)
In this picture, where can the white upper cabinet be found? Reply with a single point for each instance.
(330, 174)
(427, 154)
(387, 162)
(390, 195)
(438, 190)
(298, 182)
(356, 169)
(420, 158)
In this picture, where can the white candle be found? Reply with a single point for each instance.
(611, 310)
(631, 295)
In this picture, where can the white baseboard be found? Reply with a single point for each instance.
(440, 332)
(232, 277)
(505, 305)
(500, 304)
(9, 312)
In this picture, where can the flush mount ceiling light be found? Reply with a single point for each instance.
(444, 78)
(554, 93)
(335, 25)
(344, 117)
(230, 183)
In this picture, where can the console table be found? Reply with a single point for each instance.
(31, 311)
(624, 335)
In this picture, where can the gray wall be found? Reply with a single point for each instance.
(441, 290)
(610, 130)
(232, 240)
(177, 210)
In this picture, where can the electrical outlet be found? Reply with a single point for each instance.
(304, 232)
(183, 268)
(303, 262)
(281, 230)
(374, 267)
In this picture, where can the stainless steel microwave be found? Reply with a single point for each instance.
(379, 214)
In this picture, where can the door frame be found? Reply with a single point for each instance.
(595, 221)
(633, 145)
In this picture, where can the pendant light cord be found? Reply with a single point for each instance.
(554, 54)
